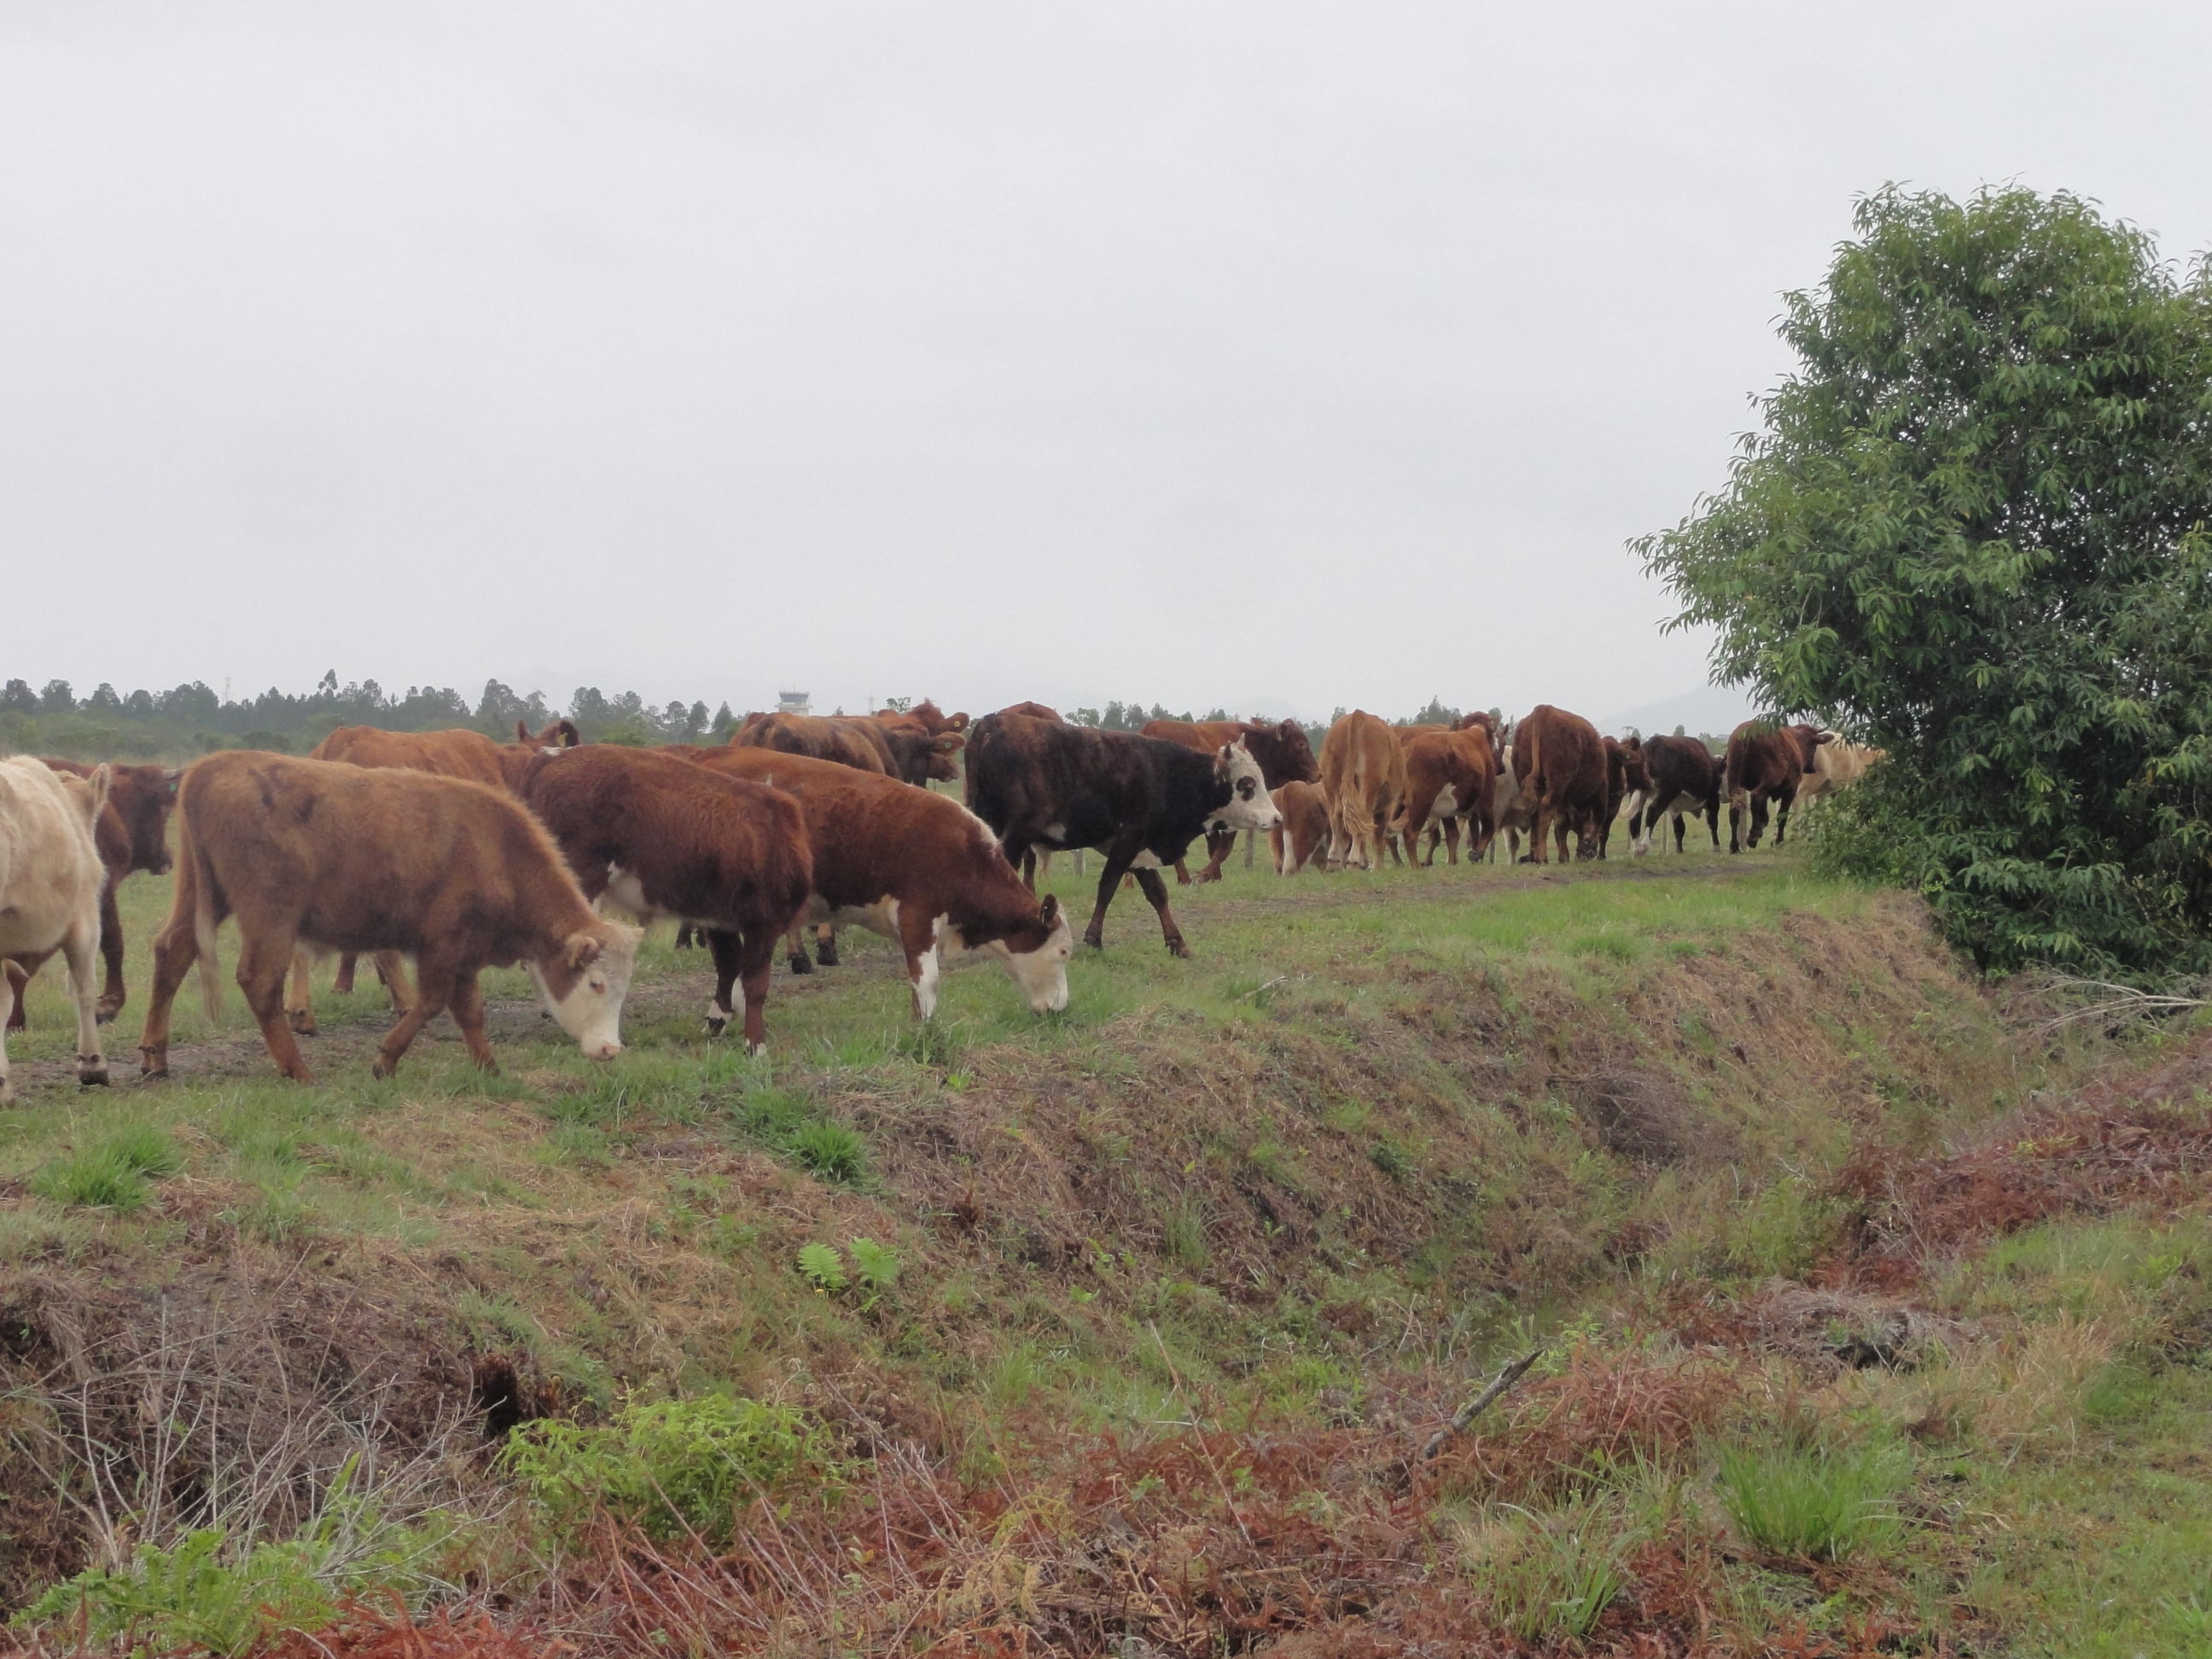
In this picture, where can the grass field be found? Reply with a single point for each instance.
(1871, 1321)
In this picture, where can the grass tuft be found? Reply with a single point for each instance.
(1814, 1502)
(116, 1173)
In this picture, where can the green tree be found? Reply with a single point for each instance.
(1973, 531)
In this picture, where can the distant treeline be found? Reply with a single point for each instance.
(194, 720)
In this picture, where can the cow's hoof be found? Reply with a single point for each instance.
(800, 964)
(1095, 944)
(105, 1012)
(302, 1022)
(717, 1023)
(756, 1050)
(92, 1072)
(1177, 948)
(382, 1068)
(826, 954)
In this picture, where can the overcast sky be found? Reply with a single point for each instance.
(1205, 353)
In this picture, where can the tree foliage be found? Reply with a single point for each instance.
(1972, 530)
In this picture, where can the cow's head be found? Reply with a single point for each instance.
(141, 798)
(1809, 739)
(1250, 806)
(1290, 755)
(1036, 956)
(585, 981)
(562, 734)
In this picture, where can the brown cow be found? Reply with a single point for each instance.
(1303, 836)
(916, 867)
(1284, 751)
(1561, 766)
(818, 736)
(51, 877)
(662, 837)
(1450, 776)
(1363, 773)
(1684, 777)
(1766, 761)
(133, 835)
(1626, 776)
(1036, 711)
(459, 753)
(347, 857)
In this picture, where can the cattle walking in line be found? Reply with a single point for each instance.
(132, 835)
(662, 837)
(1303, 836)
(1684, 777)
(51, 879)
(332, 857)
(1363, 773)
(1284, 751)
(1766, 762)
(457, 753)
(1626, 777)
(1139, 800)
(1561, 765)
(918, 868)
(1452, 779)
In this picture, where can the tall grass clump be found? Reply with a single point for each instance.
(1549, 1575)
(1814, 1502)
(116, 1173)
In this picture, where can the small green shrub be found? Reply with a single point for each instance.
(1814, 1502)
(675, 1468)
(874, 1265)
(824, 1266)
(116, 1173)
(1182, 1235)
(831, 1150)
(1550, 1575)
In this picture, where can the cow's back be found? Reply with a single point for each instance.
(816, 737)
(455, 754)
(49, 863)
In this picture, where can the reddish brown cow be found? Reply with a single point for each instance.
(1036, 711)
(916, 867)
(817, 737)
(133, 835)
(663, 837)
(1284, 751)
(1363, 773)
(1766, 762)
(1303, 836)
(1450, 775)
(333, 857)
(1561, 771)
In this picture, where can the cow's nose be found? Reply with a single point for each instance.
(605, 1050)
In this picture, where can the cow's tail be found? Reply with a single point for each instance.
(1732, 768)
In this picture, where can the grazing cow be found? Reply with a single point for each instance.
(1142, 801)
(133, 835)
(1450, 776)
(662, 837)
(1684, 777)
(1561, 767)
(346, 858)
(1766, 762)
(1836, 765)
(459, 753)
(51, 878)
(1626, 777)
(1303, 836)
(1363, 773)
(1283, 749)
(918, 868)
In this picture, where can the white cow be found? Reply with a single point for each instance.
(1836, 765)
(1514, 812)
(50, 881)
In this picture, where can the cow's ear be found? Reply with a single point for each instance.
(1049, 911)
(950, 743)
(957, 723)
(170, 778)
(580, 950)
(521, 733)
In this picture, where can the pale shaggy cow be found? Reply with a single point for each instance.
(1836, 765)
(51, 878)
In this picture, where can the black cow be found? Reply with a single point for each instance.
(1140, 801)
(1685, 774)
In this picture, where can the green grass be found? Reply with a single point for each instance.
(1813, 1503)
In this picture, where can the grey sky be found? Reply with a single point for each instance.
(1205, 353)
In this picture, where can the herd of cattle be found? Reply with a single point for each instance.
(463, 853)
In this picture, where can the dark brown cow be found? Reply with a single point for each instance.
(1363, 773)
(1284, 751)
(334, 857)
(1561, 771)
(1765, 764)
(1303, 836)
(1685, 776)
(916, 867)
(1450, 776)
(1140, 801)
(1036, 711)
(133, 835)
(457, 753)
(663, 837)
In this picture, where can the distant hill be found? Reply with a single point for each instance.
(1703, 708)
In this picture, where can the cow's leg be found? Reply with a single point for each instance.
(795, 942)
(1156, 891)
(1712, 817)
(924, 966)
(756, 960)
(1219, 844)
(433, 989)
(826, 943)
(1785, 799)
(391, 969)
(81, 945)
(1736, 825)
(1757, 815)
(466, 1006)
(300, 1000)
(1117, 865)
(10, 1005)
(1275, 848)
(343, 983)
(262, 964)
(1451, 843)
(19, 983)
(112, 994)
